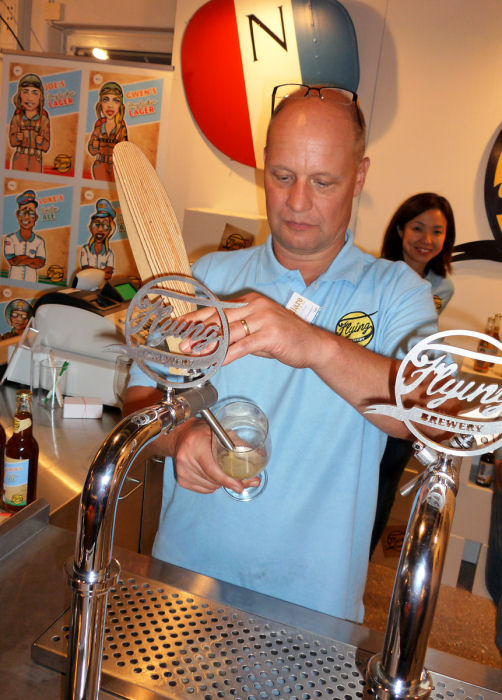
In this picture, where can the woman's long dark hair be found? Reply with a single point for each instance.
(392, 246)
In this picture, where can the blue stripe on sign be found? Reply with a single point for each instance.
(327, 43)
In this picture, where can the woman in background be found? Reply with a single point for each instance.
(422, 233)
(109, 129)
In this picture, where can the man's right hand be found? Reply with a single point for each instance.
(190, 447)
(194, 463)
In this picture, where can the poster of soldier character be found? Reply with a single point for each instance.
(60, 119)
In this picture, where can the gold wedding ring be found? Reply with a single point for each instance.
(245, 326)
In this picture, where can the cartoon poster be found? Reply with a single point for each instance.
(59, 121)
(16, 309)
(42, 115)
(120, 108)
(102, 237)
(37, 225)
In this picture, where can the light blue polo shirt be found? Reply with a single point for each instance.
(305, 539)
(442, 290)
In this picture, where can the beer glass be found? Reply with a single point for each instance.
(247, 427)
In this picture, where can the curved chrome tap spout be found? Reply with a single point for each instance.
(398, 672)
(92, 572)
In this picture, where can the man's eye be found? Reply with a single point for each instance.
(282, 177)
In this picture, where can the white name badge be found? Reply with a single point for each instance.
(302, 307)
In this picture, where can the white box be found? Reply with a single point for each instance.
(82, 407)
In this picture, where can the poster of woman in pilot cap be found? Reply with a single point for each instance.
(120, 107)
(109, 129)
(43, 113)
(30, 129)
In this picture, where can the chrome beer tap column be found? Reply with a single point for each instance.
(92, 571)
(398, 671)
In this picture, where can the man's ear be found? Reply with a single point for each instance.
(362, 170)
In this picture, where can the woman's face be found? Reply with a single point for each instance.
(30, 98)
(110, 105)
(423, 238)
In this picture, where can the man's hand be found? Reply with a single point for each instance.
(194, 463)
(270, 331)
(190, 447)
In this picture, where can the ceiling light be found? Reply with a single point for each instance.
(100, 54)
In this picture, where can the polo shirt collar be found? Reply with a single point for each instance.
(25, 240)
(347, 265)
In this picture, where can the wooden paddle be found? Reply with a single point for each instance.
(152, 228)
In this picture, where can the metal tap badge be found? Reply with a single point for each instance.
(431, 363)
(150, 325)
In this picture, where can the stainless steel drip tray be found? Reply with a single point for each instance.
(161, 642)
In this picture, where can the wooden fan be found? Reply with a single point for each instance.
(152, 228)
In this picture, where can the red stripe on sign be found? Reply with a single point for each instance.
(213, 78)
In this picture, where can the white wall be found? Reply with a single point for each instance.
(114, 13)
(430, 88)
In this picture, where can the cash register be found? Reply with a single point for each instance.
(84, 327)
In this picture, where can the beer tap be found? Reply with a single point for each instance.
(398, 671)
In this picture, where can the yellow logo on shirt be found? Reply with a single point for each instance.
(437, 302)
(356, 326)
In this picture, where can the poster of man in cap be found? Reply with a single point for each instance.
(29, 131)
(97, 252)
(24, 250)
(17, 313)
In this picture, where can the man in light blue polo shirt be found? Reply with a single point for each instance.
(312, 348)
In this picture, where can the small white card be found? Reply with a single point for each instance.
(302, 307)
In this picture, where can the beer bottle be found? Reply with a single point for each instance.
(485, 347)
(21, 457)
(484, 476)
(496, 332)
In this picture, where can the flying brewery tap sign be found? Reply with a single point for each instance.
(234, 52)
(434, 364)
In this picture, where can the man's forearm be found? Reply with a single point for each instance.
(359, 376)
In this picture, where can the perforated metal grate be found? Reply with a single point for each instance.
(171, 644)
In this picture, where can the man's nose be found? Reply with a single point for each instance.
(299, 198)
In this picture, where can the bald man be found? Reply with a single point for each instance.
(323, 321)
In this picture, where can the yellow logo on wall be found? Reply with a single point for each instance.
(356, 326)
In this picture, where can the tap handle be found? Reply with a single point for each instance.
(410, 485)
(199, 398)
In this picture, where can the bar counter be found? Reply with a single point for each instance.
(34, 595)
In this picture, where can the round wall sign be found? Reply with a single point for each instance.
(235, 51)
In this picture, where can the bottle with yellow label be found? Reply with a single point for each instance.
(19, 478)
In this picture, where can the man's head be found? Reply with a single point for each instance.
(17, 313)
(30, 93)
(27, 210)
(102, 223)
(314, 167)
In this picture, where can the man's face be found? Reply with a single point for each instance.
(18, 320)
(30, 98)
(312, 174)
(27, 216)
(100, 227)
